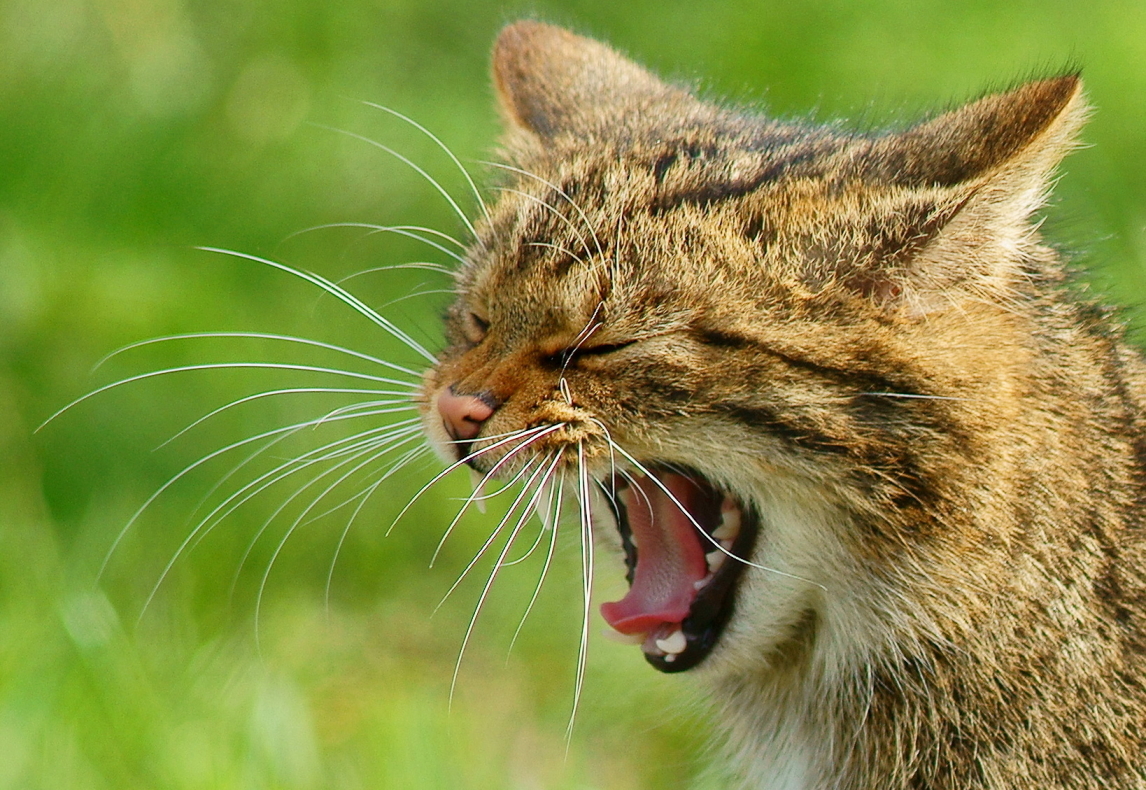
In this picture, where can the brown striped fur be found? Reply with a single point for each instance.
(966, 604)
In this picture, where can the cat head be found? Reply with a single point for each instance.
(744, 339)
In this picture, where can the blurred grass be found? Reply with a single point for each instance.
(136, 129)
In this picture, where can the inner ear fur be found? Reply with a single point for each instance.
(973, 177)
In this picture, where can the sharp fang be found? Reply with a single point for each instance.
(674, 643)
(729, 521)
(476, 479)
(715, 559)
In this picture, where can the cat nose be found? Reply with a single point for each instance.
(464, 415)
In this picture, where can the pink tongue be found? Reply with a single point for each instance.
(670, 558)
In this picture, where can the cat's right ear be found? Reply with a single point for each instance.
(551, 82)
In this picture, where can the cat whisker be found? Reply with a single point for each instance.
(525, 443)
(360, 446)
(502, 440)
(913, 396)
(418, 169)
(252, 489)
(535, 508)
(339, 293)
(428, 266)
(409, 231)
(290, 391)
(372, 454)
(553, 517)
(551, 208)
(527, 511)
(535, 467)
(443, 146)
(225, 366)
(559, 191)
(364, 496)
(583, 494)
(261, 336)
(415, 294)
(276, 435)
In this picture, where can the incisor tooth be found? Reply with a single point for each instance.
(715, 559)
(673, 643)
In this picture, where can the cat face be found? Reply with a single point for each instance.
(728, 337)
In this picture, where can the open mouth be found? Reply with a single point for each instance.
(683, 540)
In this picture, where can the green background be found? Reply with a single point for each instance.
(134, 130)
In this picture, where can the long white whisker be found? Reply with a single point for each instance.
(405, 460)
(290, 391)
(410, 231)
(427, 266)
(559, 191)
(372, 454)
(260, 336)
(252, 489)
(460, 462)
(555, 515)
(280, 433)
(226, 366)
(406, 160)
(549, 207)
(498, 565)
(356, 445)
(583, 495)
(336, 291)
(500, 463)
(394, 427)
(443, 146)
(537, 469)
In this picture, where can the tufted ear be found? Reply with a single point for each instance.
(971, 178)
(1031, 125)
(551, 82)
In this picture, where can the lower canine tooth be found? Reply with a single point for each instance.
(715, 559)
(674, 643)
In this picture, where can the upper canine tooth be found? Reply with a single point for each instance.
(729, 522)
(715, 559)
(673, 643)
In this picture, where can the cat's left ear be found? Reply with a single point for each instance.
(974, 177)
(552, 82)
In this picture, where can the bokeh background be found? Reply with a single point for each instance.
(132, 131)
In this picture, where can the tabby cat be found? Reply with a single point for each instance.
(877, 474)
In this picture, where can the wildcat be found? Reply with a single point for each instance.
(876, 472)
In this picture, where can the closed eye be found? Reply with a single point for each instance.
(599, 350)
(570, 355)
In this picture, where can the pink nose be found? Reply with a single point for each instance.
(463, 415)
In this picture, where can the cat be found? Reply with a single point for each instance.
(875, 470)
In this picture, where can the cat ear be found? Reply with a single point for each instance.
(972, 177)
(1031, 126)
(550, 81)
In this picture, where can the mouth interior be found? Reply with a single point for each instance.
(682, 538)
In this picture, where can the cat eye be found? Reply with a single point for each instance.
(477, 328)
(600, 350)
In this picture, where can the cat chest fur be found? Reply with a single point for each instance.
(901, 463)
